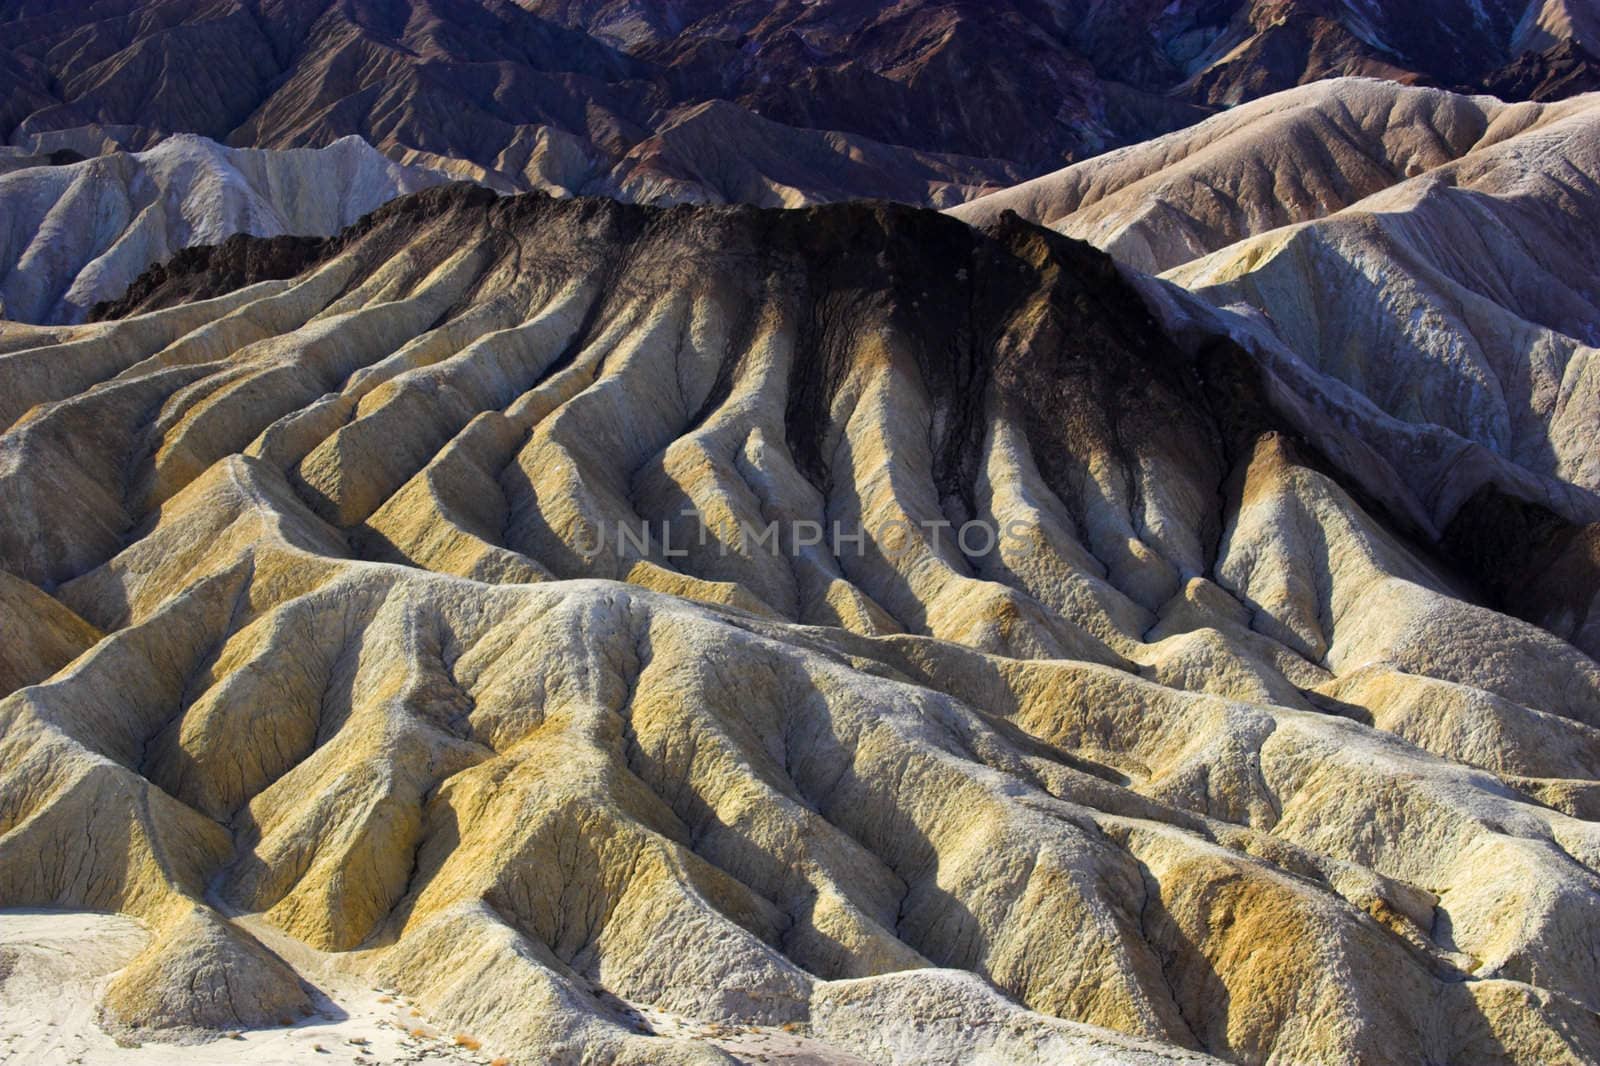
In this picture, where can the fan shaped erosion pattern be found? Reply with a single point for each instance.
(1212, 756)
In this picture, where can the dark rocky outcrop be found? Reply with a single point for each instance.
(1562, 70)
(942, 100)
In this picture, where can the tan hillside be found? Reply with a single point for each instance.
(1214, 755)
(1290, 157)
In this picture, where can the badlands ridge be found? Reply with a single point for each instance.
(78, 234)
(1422, 266)
(1223, 752)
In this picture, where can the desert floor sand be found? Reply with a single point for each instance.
(54, 966)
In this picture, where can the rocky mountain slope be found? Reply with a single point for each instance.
(341, 654)
(1216, 52)
(483, 88)
(1424, 256)
(78, 234)
(929, 101)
